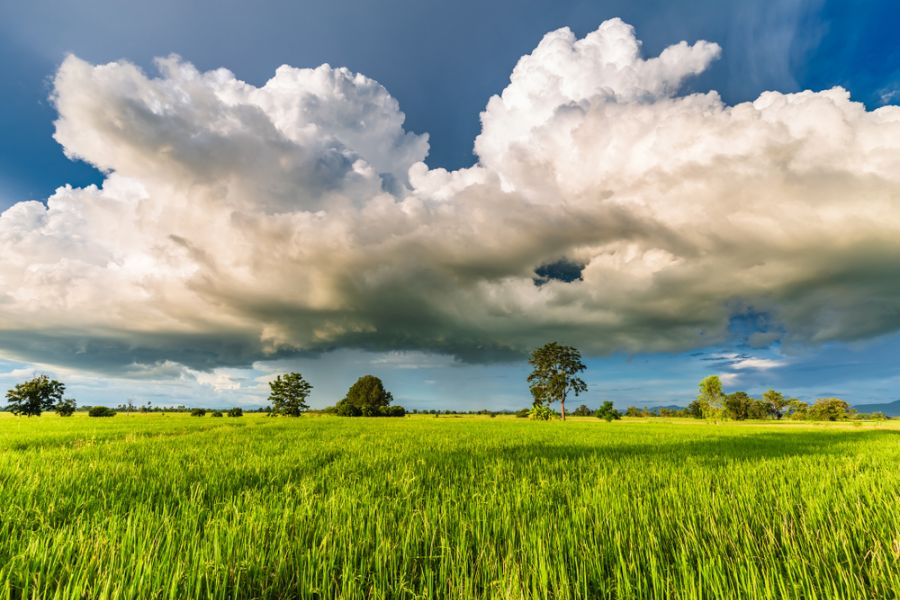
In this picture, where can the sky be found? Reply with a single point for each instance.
(200, 196)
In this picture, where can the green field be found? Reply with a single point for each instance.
(170, 506)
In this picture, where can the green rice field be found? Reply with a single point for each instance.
(171, 506)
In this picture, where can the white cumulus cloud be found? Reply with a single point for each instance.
(238, 223)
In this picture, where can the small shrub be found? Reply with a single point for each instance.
(539, 412)
(393, 411)
(237, 411)
(65, 408)
(607, 412)
(523, 413)
(198, 412)
(217, 413)
(345, 409)
(101, 411)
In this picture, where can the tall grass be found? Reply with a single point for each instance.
(152, 506)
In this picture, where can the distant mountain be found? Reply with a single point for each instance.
(891, 409)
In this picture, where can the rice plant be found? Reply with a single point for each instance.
(169, 506)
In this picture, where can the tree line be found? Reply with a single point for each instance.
(288, 397)
(554, 378)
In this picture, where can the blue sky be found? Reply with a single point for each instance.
(442, 62)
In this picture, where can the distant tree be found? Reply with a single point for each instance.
(236, 412)
(829, 409)
(582, 411)
(777, 402)
(737, 406)
(873, 416)
(710, 397)
(366, 398)
(217, 413)
(606, 411)
(539, 412)
(65, 408)
(555, 374)
(198, 412)
(399, 411)
(796, 409)
(633, 411)
(695, 409)
(763, 409)
(289, 394)
(101, 411)
(523, 413)
(35, 396)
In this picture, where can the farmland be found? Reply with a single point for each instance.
(170, 506)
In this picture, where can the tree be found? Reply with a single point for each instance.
(606, 411)
(289, 394)
(796, 409)
(367, 398)
(35, 396)
(737, 406)
(695, 409)
(555, 375)
(829, 409)
(777, 400)
(711, 396)
(237, 411)
(65, 408)
(198, 412)
(582, 411)
(762, 409)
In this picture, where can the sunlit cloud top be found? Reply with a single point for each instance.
(237, 222)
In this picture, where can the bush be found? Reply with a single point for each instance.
(236, 412)
(101, 411)
(217, 413)
(606, 411)
(539, 412)
(523, 413)
(393, 411)
(345, 409)
(65, 408)
(198, 412)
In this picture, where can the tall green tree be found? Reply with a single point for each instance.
(777, 401)
(737, 406)
(367, 398)
(288, 394)
(710, 396)
(35, 396)
(555, 375)
(829, 409)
